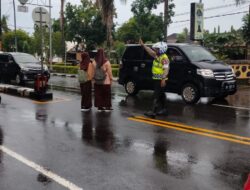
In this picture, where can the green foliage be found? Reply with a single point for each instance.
(119, 48)
(73, 69)
(149, 26)
(129, 32)
(183, 37)
(56, 41)
(84, 24)
(65, 69)
(24, 42)
(115, 66)
(246, 28)
(5, 27)
(115, 72)
(144, 24)
(225, 45)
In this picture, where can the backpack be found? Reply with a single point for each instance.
(100, 75)
(82, 76)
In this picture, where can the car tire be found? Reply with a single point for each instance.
(131, 88)
(190, 94)
(19, 80)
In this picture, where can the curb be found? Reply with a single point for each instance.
(64, 75)
(24, 92)
(15, 90)
(73, 76)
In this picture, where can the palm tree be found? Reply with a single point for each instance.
(107, 10)
(239, 1)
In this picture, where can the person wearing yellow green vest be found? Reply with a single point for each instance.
(160, 69)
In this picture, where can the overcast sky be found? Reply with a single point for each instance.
(24, 20)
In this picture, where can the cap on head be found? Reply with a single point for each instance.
(162, 46)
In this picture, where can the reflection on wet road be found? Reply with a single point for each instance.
(194, 130)
(103, 151)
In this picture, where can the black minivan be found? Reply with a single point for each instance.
(20, 67)
(194, 72)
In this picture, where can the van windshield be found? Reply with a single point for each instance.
(197, 54)
(25, 58)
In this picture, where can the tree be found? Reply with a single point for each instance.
(183, 37)
(246, 28)
(239, 1)
(128, 32)
(84, 24)
(151, 26)
(168, 13)
(107, 12)
(5, 24)
(225, 45)
(24, 41)
(62, 26)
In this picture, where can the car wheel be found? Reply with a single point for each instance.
(130, 87)
(19, 80)
(190, 93)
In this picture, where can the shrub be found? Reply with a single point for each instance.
(115, 72)
(73, 69)
(64, 69)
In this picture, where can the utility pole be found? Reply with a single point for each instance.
(1, 25)
(50, 36)
(14, 7)
(166, 20)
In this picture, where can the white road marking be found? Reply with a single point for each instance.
(67, 184)
(234, 107)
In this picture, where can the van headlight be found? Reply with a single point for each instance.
(205, 73)
(24, 69)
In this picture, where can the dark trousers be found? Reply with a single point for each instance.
(159, 101)
(86, 92)
(103, 95)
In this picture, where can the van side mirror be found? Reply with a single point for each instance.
(10, 59)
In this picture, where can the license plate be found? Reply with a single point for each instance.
(229, 86)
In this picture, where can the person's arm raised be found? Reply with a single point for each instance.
(148, 49)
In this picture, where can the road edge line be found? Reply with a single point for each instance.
(60, 180)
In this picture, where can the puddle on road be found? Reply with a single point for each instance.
(43, 179)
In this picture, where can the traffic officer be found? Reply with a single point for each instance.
(160, 69)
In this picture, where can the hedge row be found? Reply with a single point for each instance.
(73, 69)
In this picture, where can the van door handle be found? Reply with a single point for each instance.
(143, 65)
(189, 72)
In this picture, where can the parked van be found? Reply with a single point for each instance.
(20, 67)
(194, 72)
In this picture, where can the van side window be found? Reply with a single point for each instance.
(133, 53)
(172, 53)
(4, 58)
(146, 56)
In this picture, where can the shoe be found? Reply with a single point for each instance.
(100, 109)
(150, 114)
(85, 109)
(162, 112)
(108, 109)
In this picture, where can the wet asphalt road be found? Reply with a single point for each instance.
(194, 147)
